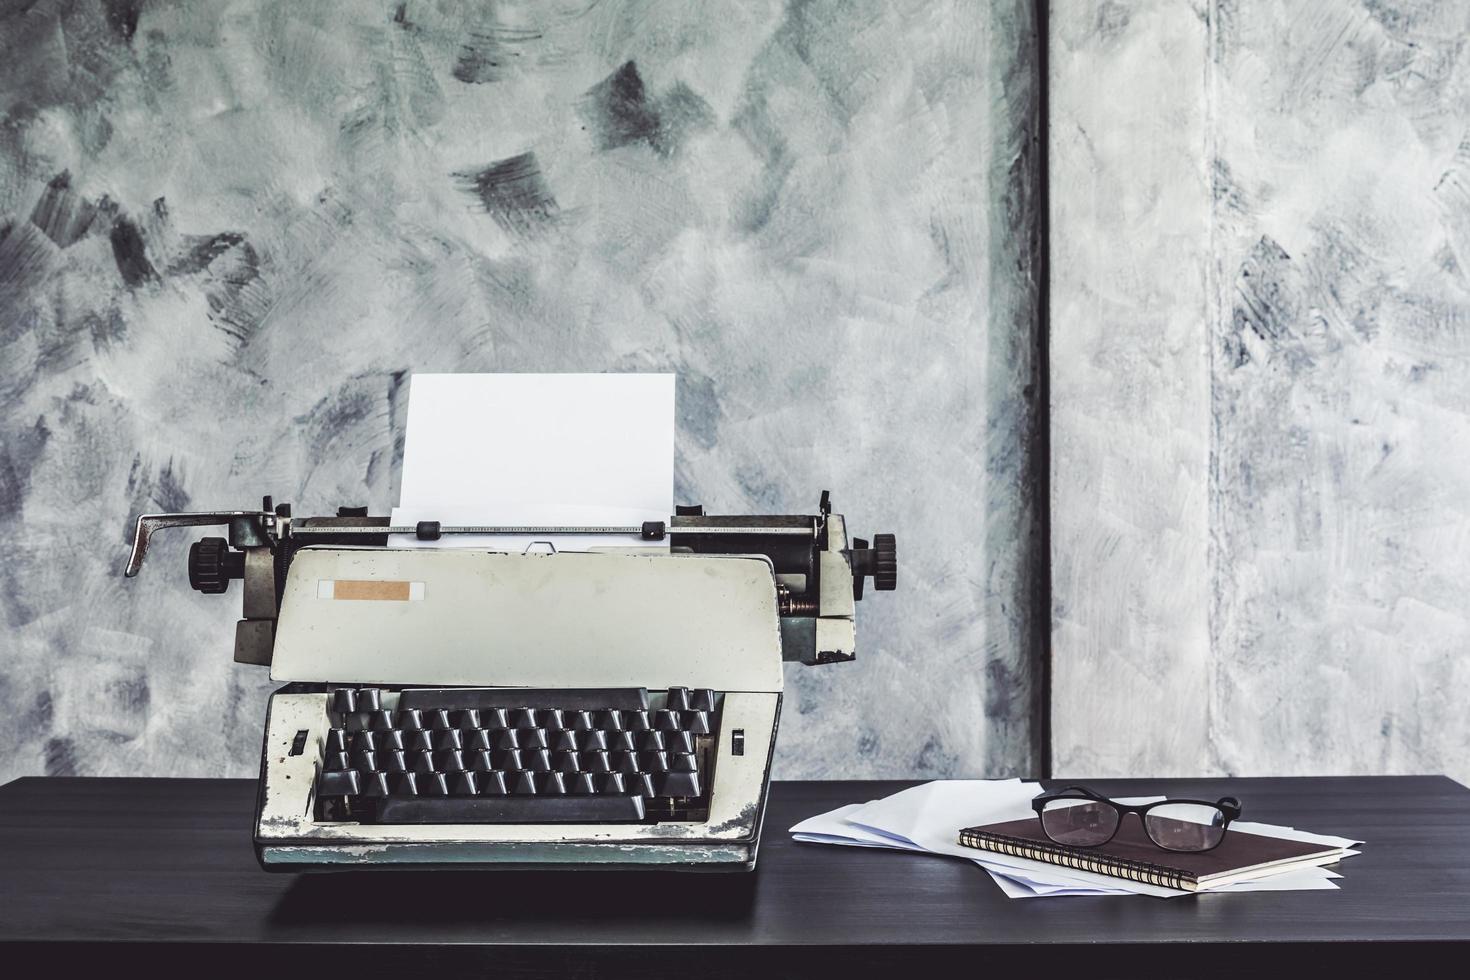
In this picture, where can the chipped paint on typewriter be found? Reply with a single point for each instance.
(469, 708)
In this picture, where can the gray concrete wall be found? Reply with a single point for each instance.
(229, 233)
(1277, 583)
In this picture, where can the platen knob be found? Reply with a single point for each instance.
(879, 561)
(885, 564)
(212, 565)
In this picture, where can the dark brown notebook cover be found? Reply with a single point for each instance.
(1132, 855)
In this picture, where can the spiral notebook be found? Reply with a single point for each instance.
(1132, 855)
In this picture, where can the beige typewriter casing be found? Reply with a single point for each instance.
(333, 601)
(572, 620)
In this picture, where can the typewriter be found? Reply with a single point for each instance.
(470, 708)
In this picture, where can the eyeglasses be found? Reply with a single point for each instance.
(1078, 817)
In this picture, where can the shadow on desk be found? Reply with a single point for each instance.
(459, 897)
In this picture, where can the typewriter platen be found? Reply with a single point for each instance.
(458, 707)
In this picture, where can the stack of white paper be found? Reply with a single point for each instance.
(541, 450)
(928, 818)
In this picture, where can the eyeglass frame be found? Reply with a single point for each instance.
(1227, 805)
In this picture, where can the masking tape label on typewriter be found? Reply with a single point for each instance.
(379, 589)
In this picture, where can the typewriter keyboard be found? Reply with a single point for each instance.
(517, 755)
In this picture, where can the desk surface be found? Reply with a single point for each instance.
(165, 866)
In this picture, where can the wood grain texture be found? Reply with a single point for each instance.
(161, 871)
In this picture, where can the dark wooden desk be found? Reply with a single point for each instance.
(155, 872)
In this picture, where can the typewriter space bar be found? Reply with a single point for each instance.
(512, 809)
(567, 699)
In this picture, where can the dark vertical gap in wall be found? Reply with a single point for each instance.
(1042, 609)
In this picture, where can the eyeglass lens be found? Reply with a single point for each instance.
(1081, 823)
(1185, 826)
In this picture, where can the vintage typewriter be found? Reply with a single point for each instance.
(462, 707)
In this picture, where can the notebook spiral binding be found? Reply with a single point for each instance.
(1078, 859)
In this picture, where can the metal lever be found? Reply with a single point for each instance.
(149, 523)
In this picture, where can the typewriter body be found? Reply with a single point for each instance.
(472, 708)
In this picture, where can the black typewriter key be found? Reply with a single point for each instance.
(654, 762)
(696, 722)
(702, 699)
(523, 718)
(437, 719)
(363, 741)
(375, 784)
(358, 721)
(494, 718)
(678, 699)
(479, 739)
(469, 718)
(344, 700)
(611, 782)
(536, 760)
(369, 699)
(678, 784)
(337, 740)
(448, 760)
(682, 762)
(581, 784)
(621, 741)
(390, 741)
(392, 761)
(608, 721)
(338, 760)
(464, 784)
(507, 738)
(449, 738)
(523, 784)
(665, 721)
(533, 738)
(420, 762)
(402, 784)
(418, 741)
(596, 762)
(641, 784)
(565, 762)
(678, 741)
(434, 784)
(492, 784)
(624, 762)
(346, 782)
(651, 741)
(594, 741)
(482, 761)
(578, 721)
(550, 784)
(364, 760)
(564, 741)
(508, 760)
(636, 721)
(380, 721)
(410, 720)
(552, 718)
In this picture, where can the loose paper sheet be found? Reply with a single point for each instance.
(925, 818)
(537, 449)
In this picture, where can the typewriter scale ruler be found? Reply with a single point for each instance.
(523, 529)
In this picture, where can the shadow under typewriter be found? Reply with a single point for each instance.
(524, 897)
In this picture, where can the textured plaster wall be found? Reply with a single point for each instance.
(229, 232)
(1317, 405)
